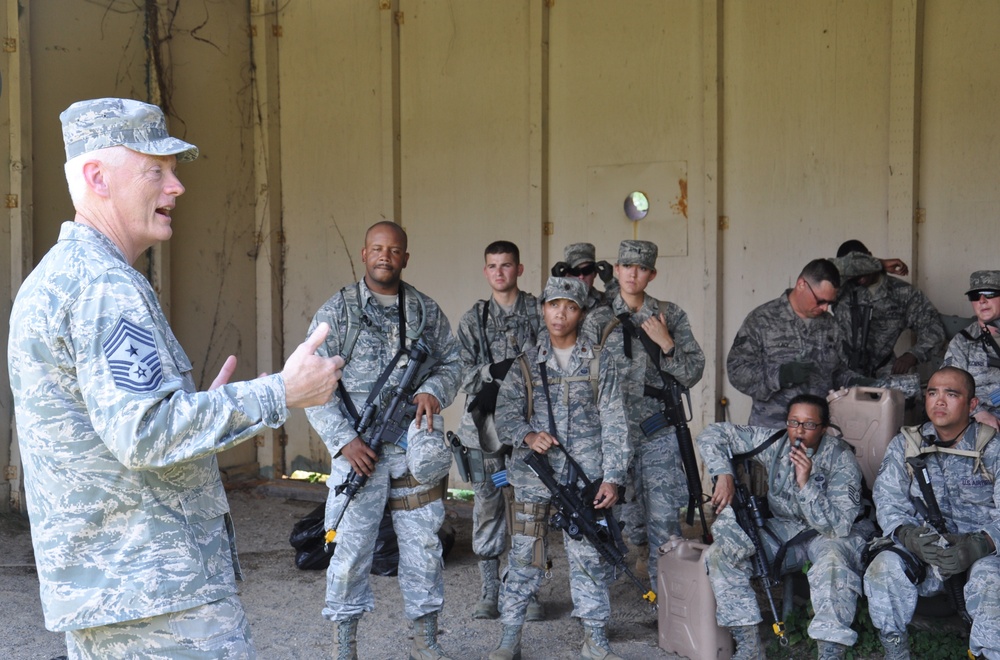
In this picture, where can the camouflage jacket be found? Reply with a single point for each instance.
(772, 335)
(376, 345)
(828, 503)
(971, 355)
(968, 499)
(686, 362)
(895, 306)
(128, 515)
(594, 432)
(504, 336)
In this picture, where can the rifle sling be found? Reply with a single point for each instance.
(739, 458)
(376, 390)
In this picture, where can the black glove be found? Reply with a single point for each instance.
(922, 541)
(605, 271)
(962, 552)
(560, 269)
(795, 373)
(498, 370)
(485, 400)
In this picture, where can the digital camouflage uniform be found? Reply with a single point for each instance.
(129, 518)
(773, 334)
(348, 593)
(657, 473)
(971, 355)
(829, 504)
(595, 435)
(895, 306)
(507, 335)
(968, 499)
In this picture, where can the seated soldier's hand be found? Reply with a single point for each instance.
(795, 373)
(962, 552)
(922, 541)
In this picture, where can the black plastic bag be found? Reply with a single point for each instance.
(308, 536)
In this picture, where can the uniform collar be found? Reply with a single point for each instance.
(77, 231)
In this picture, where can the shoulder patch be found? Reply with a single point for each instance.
(132, 356)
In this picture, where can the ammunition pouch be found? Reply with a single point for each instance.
(415, 500)
(536, 526)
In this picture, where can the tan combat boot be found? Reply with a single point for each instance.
(345, 639)
(487, 607)
(425, 646)
(595, 644)
(510, 645)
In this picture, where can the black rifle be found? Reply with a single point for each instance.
(575, 513)
(954, 585)
(857, 353)
(749, 515)
(674, 414)
(391, 426)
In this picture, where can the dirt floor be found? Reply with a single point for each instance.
(284, 603)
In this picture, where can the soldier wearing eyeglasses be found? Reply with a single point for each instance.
(790, 345)
(976, 350)
(814, 497)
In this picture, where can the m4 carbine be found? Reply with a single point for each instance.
(390, 425)
(575, 513)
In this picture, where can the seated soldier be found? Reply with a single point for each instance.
(950, 549)
(814, 486)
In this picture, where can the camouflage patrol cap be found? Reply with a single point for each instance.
(569, 288)
(428, 455)
(984, 280)
(101, 123)
(575, 254)
(637, 253)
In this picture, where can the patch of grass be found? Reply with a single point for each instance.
(460, 494)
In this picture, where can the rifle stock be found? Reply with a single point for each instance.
(389, 425)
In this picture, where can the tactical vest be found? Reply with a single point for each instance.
(915, 446)
(352, 304)
(593, 376)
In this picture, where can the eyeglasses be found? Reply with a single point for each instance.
(809, 426)
(819, 301)
(562, 269)
(974, 296)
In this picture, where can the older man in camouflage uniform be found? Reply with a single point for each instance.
(374, 321)
(647, 339)
(490, 336)
(790, 346)
(962, 459)
(875, 308)
(570, 405)
(129, 520)
(814, 489)
(976, 348)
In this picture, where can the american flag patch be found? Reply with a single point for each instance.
(132, 356)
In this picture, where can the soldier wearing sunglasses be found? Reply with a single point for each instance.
(976, 349)
(580, 261)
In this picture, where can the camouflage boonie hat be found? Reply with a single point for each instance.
(984, 280)
(569, 288)
(637, 253)
(575, 254)
(101, 123)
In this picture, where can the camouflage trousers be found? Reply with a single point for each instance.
(217, 630)
(589, 574)
(348, 591)
(834, 576)
(489, 529)
(661, 489)
(892, 599)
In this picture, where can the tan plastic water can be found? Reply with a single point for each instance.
(687, 624)
(869, 418)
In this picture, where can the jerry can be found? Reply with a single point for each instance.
(869, 418)
(686, 616)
